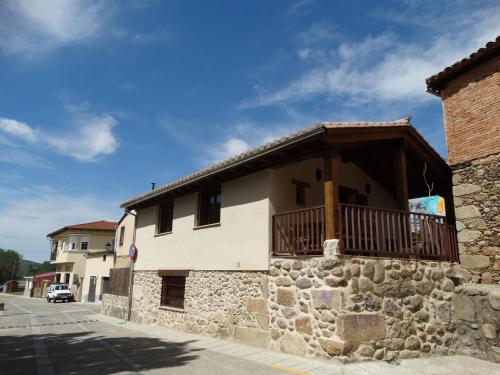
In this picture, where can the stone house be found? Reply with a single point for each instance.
(83, 255)
(304, 245)
(470, 93)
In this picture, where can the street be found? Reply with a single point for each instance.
(43, 338)
(65, 338)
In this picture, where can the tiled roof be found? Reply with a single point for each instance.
(101, 225)
(438, 81)
(261, 150)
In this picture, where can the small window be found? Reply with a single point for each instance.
(165, 217)
(84, 243)
(172, 291)
(73, 245)
(300, 191)
(209, 207)
(122, 235)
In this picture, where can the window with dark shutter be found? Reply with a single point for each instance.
(165, 217)
(209, 207)
(172, 291)
(122, 235)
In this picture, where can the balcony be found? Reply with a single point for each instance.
(366, 231)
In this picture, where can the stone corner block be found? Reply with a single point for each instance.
(252, 336)
(328, 299)
(331, 248)
(293, 344)
(257, 306)
(464, 189)
(474, 261)
(361, 327)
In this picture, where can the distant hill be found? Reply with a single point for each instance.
(25, 267)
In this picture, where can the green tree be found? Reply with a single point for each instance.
(10, 264)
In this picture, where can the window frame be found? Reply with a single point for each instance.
(84, 239)
(170, 218)
(204, 217)
(122, 235)
(176, 283)
(300, 191)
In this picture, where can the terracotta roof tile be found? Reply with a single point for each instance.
(260, 150)
(101, 225)
(438, 81)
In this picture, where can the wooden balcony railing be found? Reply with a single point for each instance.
(398, 234)
(299, 232)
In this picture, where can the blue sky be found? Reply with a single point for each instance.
(100, 98)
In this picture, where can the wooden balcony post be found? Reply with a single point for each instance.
(401, 178)
(331, 190)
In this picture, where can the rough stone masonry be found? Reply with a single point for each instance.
(476, 193)
(353, 308)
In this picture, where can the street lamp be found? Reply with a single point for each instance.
(108, 247)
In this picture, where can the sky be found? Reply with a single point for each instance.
(100, 98)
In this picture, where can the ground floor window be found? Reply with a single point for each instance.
(172, 291)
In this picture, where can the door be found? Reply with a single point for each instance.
(104, 286)
(93, 281)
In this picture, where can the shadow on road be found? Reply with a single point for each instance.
(85, 353)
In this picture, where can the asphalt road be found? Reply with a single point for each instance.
(65, 338)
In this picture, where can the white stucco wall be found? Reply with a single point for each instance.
(98, 267)
(282, 191)
(240, 242)
(122, 258)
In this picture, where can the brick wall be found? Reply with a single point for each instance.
(471, 105)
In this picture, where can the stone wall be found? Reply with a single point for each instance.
(360, 308)
(476, 190)
(352, 308)
(116, 306)
(477, 318)
(217, 303)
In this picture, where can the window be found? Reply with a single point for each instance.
(300, 191)
(209, 207)
(165, 217)
(172, 291)
(122, 234)
(71, 244)
(351, 196)
(84, 243)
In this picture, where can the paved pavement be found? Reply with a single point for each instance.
(73, 338)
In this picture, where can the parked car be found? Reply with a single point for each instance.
(60, 292)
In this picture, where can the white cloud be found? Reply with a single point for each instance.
(31, 26)
(299, 6)
(28, 214)
(17, 129)
(92, 138)
(381, 68)
(231, 147)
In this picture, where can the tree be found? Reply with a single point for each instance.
(10, 262)
(43, 267)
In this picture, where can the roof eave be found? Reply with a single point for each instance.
(133, 202)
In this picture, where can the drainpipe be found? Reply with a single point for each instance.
(131, 268)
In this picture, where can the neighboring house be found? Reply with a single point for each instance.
(124, 238)
(281, 246)
(83, 256)
(470, 91)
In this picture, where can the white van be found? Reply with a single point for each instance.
(59, 292)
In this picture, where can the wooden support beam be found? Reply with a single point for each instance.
(401, 177)
(331, 191)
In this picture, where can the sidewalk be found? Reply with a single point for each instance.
(452, 365)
